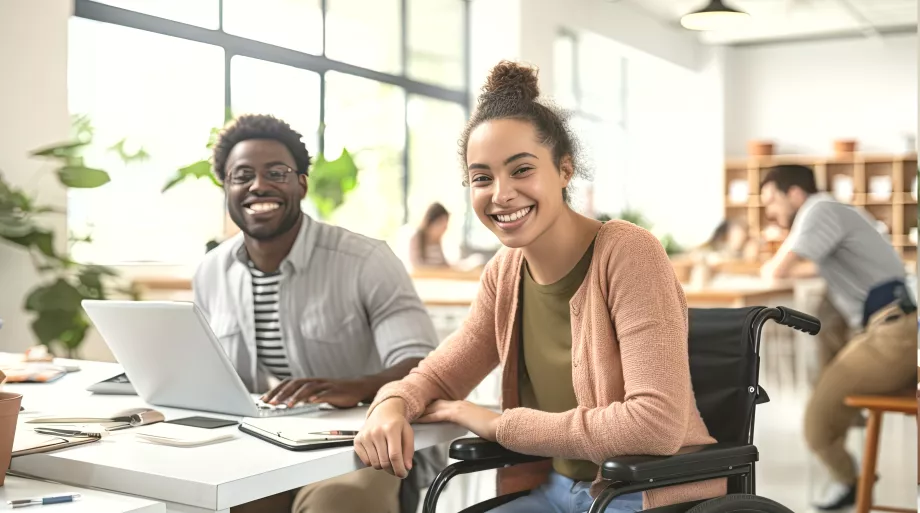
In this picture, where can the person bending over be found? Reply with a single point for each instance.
(587, 319)
(868, 332)
(306, 311)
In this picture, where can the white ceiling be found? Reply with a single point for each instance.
(794, 19)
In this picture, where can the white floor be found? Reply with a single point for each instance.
(786, 472)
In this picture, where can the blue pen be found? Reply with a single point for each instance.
(57, 499)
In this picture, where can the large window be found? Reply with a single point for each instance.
(165, 94)
(385, 79)
(596, 97)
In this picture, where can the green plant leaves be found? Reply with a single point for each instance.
(42, 240)
(80, 177)
(59, 295)
(68, 328)
(127, 157)
(61, 150)
(200, 169)
(331, 181)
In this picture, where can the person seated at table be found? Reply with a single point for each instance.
(868, 319)
(306, 311)
(425, 246)
(729, 241)
(587, 318)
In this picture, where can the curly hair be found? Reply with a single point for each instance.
(259, 126)
(512, 92)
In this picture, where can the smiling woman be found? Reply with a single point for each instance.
(519, 157)
(587, 319)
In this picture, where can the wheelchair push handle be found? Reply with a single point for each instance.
(798, 320)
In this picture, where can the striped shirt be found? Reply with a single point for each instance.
(347, 307)
(269, 346)
(851, 255)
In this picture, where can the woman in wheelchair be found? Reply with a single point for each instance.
(587, 320)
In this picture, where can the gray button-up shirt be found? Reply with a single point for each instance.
(347, 307)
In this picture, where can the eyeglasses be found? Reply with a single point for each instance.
(246, 175)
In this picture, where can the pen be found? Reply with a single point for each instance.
(66, 432)
(57, 499)
(336, 433)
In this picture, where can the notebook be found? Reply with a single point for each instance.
(299, 434)
(27, 441)
(178, 435)
(117, 420)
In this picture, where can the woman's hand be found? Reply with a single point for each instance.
(386, 441)
(479, 420)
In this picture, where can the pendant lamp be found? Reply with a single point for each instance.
(714, 16)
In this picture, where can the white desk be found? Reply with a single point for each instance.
(91, 501)
(207, 478)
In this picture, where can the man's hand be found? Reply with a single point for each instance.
(479, 420)
(342, 393)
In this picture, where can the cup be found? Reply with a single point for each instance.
(9, 414)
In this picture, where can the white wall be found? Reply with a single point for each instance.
(676, 151)
(33, 100)
(674, 108)
(805, 95)
(621, 22)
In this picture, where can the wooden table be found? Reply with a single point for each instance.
(438, 291)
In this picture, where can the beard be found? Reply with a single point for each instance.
(263, 231)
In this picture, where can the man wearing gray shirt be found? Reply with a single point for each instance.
(306, 311)
(868, 332)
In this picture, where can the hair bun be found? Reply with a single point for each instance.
(512, 80)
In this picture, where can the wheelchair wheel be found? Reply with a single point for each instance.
(740, 503)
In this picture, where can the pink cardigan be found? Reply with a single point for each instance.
(630, 368)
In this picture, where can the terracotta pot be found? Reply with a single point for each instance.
(844, 146)
(760, 148)
(9, 414)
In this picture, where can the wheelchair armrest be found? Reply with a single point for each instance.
(688, 461)
(474, 449)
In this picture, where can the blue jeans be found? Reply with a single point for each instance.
(562, 495)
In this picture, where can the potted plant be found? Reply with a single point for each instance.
(59, 319)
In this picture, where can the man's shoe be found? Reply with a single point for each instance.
(837, 498)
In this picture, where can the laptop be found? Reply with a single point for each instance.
(172, 358)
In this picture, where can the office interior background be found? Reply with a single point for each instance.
(676, 124)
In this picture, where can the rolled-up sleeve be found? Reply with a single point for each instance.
(401, 324)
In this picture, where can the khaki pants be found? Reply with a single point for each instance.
(363, 491)
(879, 360)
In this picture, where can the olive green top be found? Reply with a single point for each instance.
(546, 361)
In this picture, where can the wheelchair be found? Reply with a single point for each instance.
(724, 345)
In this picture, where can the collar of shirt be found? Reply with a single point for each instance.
(297, 258)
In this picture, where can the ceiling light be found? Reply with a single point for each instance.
(714, 16)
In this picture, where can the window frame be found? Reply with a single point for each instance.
(233, 45)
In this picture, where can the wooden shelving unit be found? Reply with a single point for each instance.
(898, 210)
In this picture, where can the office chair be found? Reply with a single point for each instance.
(724, 347)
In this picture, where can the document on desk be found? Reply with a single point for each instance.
(27, 441)
(182, 436)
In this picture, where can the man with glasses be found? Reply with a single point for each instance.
(307, 312)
